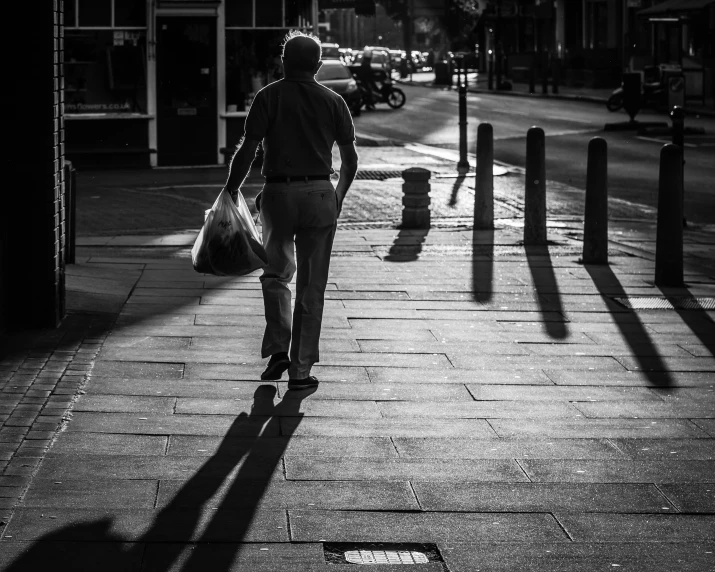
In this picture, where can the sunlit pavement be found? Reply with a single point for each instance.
(502, 403)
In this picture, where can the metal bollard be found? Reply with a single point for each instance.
(463, 165)
(70, 204)
(595, 227)
(669, 233)
(416, 199)
(535, 191)
(484, 188)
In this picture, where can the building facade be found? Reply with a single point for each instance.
(168, 82)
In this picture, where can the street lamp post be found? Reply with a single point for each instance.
(463, 165)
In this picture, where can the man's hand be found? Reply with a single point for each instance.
(348, 169)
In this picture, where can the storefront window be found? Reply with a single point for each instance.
(269, 13)
(105, 71)
(95, 13)
(239, 13)
(130, 13)
(253, 60)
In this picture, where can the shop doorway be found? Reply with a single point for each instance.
(187, 129)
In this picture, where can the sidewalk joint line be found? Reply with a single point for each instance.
(523, 470)
(414, 493)
(566, 532)
(394, 446)
(667, 498)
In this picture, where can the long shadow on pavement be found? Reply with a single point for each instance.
(482, 265)
(459, 181)
(408, 245)
(632, 329)
(547, 288)
(92, 545)
(696, 318)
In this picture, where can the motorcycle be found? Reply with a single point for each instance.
(386, 93)
(653, 91)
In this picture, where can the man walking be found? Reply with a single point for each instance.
(298, 121)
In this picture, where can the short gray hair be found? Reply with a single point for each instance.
(301, 51)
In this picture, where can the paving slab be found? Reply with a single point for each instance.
(479, 409)
(668, 364)
(690, 497)
(680, 409)
(205, 446)
(707, 425)
(629, 378)
(560, 392)
(306, 408)
(472, 448)
(413, 469)
(125, 403)
(389, 391)
(274, 494)
(342, 526)
(82, 493)
(621, 471)
(617, 428)
(266, 525)
(209, 389)
(111, 554)
(136, 369)
(603, 363)
(587, 556)
(150, 424)
(515, 376)
(689, 449)
(144, 467)
(314, 426)
(252, 373)
(593, 527)
(86, 443)
(540, 497)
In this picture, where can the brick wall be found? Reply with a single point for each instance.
(31, 252)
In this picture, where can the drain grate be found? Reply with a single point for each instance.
(380, 553)
(378, 175)
(385, 557)
(663, 303)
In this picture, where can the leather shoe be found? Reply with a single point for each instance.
(276, 366)
(305, 383)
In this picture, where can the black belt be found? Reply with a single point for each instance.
(297, 178)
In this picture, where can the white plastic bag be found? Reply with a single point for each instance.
(229, 243)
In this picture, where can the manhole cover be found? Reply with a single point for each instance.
(380, 553)
(662, 303)
(385, 557)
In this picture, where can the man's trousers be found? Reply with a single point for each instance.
(299, 221)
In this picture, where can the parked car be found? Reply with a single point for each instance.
(335, 75)
(330, 51)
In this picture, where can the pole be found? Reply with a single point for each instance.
(595, 227)
(490, 71)
(463, 165)
(669, 233)
(535, 191)
(314, 11)
(484, 188)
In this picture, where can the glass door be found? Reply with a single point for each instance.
(187, 128)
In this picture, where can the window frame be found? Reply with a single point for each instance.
(253, 20)
(112, 25)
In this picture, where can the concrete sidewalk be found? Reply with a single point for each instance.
(503, 404)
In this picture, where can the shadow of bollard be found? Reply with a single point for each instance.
(547, 288)
(407, 246)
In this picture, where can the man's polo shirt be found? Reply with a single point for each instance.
(298, 121)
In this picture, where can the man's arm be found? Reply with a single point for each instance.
(348, 170)
(240, 165)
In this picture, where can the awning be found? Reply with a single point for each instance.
(674, 8)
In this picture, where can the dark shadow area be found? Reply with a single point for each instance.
(408, 245)
(696, 318)
(459, 181)
(251, 439)
(547, 288)
(632, 329)
(482, 265)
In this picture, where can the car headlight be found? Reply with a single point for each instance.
(352, 86)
